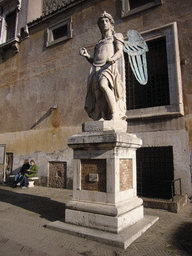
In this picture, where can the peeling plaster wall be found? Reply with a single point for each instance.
(43, 146)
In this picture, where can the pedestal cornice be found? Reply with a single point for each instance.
(104, 139)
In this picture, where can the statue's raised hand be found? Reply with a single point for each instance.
(83, 52)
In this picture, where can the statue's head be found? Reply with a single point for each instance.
(108, 16)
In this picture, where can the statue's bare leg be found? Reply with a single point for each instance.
(109, 96)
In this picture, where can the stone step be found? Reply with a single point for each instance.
(174, 205)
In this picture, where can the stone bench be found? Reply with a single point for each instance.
(12, 176)
(10, 179)
(31, 181)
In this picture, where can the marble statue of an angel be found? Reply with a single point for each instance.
(106, 94)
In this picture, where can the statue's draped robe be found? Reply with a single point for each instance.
(96, 104)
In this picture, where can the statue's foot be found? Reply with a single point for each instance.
(117, 116)
(101, 119)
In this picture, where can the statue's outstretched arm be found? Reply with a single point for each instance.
(118, 53)
(83, 52)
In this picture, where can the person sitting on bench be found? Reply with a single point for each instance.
(29, 174)
(21, 173)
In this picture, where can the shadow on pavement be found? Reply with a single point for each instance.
(47, 208)
(182, 237)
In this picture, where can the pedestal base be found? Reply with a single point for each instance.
(122, 240)
(106, 217)
(103, 222)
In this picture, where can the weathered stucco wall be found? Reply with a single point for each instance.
(44, 146)
(36, 78)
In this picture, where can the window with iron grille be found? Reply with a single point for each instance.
(162, 95)
(156, 91)
(155, 172)
(130, 7)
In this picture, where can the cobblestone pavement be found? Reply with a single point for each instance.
(24, 214)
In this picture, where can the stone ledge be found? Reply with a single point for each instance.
(104, 139)
(111, 125)
(103, 222)
(105, 208)
(122, 240)
(168, 205)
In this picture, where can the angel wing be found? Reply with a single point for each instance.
(136, 49)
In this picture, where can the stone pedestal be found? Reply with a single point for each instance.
(104, 183)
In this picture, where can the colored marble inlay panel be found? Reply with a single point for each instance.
(96, 167)
(126, 175)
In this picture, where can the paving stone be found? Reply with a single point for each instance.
(24, 214)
